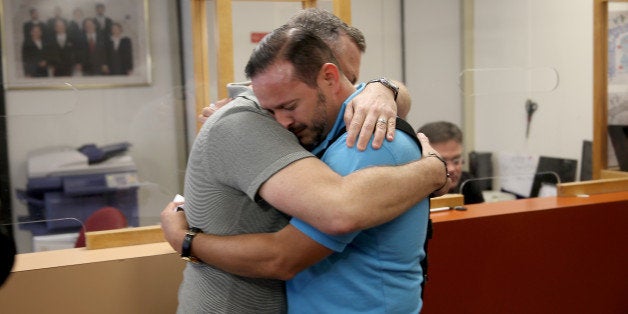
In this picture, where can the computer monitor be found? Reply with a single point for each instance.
(586, 161)
(619, 138)
(481, 168)
(547, 170)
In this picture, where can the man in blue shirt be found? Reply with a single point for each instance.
(296, 77)
(378, 266)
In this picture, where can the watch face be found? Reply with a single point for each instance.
(390, 84)
(386, 82)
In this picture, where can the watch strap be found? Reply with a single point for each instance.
(388, 83)
(186, 245)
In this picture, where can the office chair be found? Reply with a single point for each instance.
(106, 218)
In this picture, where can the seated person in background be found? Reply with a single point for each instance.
(446, 139)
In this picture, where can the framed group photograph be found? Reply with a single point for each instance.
(84, 43)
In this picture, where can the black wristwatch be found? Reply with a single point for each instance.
(186, 246)
(388, 83)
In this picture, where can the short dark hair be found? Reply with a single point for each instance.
(441, 132)
(301, 47)
(327, 26)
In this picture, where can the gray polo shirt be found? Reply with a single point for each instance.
(236, 151)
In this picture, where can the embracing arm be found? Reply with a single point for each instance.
(374, 195)
(309, 190)
(279, 255)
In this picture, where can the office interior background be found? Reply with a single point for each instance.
(510, 51)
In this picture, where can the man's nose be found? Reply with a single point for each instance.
(451, 167)
(284, 119)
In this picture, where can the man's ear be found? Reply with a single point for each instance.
(329, 75)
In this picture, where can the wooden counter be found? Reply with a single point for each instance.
(133, 279)
(543, 255)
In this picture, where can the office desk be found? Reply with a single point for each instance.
(543, 255)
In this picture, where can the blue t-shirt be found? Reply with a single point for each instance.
(372, 271)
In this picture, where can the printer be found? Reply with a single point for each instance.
(65, 186)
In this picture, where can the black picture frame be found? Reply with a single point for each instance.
(35, 56)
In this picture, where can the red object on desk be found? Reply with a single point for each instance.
(106, 218)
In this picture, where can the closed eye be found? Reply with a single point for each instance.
(282, 107)
(288, 106)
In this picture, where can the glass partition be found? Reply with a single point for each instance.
(83, 151)
(106, 146)
(512, 75)
(50, 234)
(515, 76)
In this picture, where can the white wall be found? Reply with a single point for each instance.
(525, 36)
(533, 49)
(150, 117)
(433, 60)
(379, 20)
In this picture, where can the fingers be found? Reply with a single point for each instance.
(171, 218)
(354, 121)
(444, 189)
(173, 225)
(379, 132)
(380, 129)
(206, 112)
(220, 103)
(390, 132)
(375, 121)
(425, 144)
(170, 207)
(202, 117)
(429, 151)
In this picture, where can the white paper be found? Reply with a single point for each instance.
(178, 199)
(516, 172)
